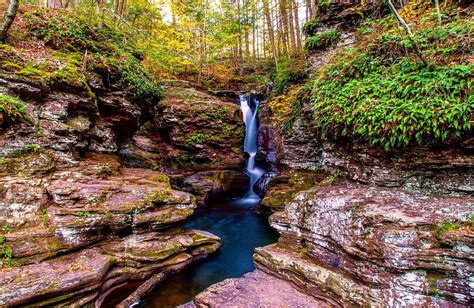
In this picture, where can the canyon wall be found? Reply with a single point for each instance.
(80, 217)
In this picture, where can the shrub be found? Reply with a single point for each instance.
(380, 91)
(311, 27)
(395, 106)
(12, 108)
(322, 41)
(109, 50)
(290, 71)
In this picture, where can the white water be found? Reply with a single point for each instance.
(250, 144)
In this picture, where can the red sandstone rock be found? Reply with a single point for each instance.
(256, 289)
(367, 245)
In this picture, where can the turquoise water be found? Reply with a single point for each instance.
(241, 229)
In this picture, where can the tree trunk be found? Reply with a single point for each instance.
(8, 18)
(308, 10)
(291, 25)
(271, 34)
(284, 25)
(407, 29)
(438, 11)
(297, 24)
(202, 45)
(54, 4)
(314, 9)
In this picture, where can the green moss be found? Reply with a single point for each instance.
(109, 216)
(54, 245)
(440, 229)
(110, 52)
(379, 91)
(332, 178)
(82, 214)
(435, 280)
(159, 177)
(196, 138)
(5, 228)
(34, 148)
(163, 217)
(44, 216)
(104, 172)
(6, 253)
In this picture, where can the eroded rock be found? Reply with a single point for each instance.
(256, 289)
(366, 245)
(92, 271)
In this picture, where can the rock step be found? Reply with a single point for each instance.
(255, 289)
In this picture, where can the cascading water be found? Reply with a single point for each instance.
(235, 221)
(250, 144)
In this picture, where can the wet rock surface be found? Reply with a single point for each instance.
(256, 289)
(366, 245)
(212, 184)
(205, 132)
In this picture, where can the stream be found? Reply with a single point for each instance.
(237, 222)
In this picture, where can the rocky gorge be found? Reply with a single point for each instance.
(107, 184)
(81, 216)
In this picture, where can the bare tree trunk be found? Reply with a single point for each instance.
(54, 4)
(254, 34)
(8, 19)
(291, 26)
(122, 7)
(407, 29)
(297, 24)
(438, 11)
(264, 40)
(314, 9)
(284, 25)
(308, 10)
(271, 34)
(202, 45)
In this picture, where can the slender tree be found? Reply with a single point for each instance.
(284, 25)
(271, 34)
(405, 26)
(291, 25)
(438, 11)
(297, 24)
(8, 19)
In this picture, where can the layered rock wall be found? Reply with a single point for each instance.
(79, 219)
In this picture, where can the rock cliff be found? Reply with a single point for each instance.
(79, 215)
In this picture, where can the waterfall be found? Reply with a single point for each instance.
(250, 143)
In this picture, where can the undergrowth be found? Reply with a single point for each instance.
(322, 41)
(78, 44)
(380, 91)
(12, 109)
(311, 27)
(290, 71)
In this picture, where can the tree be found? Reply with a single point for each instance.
(438, 12)
(405, 26)
(8, 19)
(271, 34)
